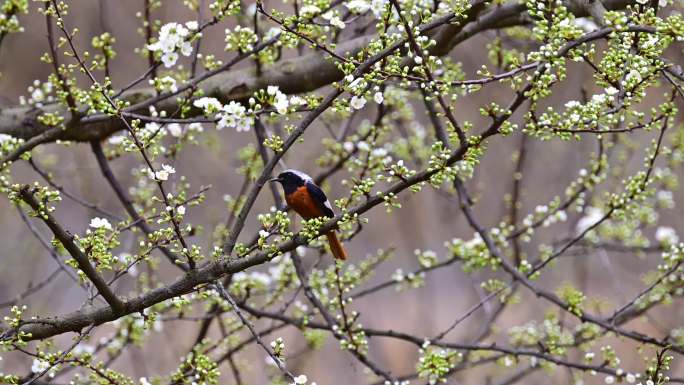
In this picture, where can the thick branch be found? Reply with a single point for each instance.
(297, 75)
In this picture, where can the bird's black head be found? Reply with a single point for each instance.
(291, 180)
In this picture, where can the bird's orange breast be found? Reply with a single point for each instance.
(300, 200)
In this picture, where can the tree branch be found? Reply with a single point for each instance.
(297, 75)
(74, 250)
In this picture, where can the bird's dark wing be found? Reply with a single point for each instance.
(321, 200)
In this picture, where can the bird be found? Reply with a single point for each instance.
(309, 201)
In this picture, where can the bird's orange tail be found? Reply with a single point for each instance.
(336, 246)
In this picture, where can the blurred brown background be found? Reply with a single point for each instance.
(426, 221)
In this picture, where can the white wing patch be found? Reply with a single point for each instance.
(328, 205)
(300, 174)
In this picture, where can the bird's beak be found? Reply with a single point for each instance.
(274, 180)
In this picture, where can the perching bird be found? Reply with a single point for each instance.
(309, 201)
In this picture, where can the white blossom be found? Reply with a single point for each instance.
(586, 24)
(337, 22)
(168, 82)
(665, 199)
(180, 210)
(174, 129)
(272, 32)
(169, 59)
(398, 275)
(4, 138)
(591, 217)
(609, 380)
(192, 25)
(561, 216)
(281, 103)
(666, 235)
(599, 98)
(379, 6)
(297, 101)
(38, 95)
(572, 104)
(195, 127)
(172, 37)
(379, 152)
(355, 83)
(234, 115)
(611, 91)
(209, 105)
(378, 97)
(157, 325)
(260, 277)
(84, 349)
(143, 381)
(357, 6)
(39, 365)
(186, 48)
(634, 74)
(151, 128)
(100, 223)
(309, 10)
(301, 379)
(357, 102)
(163, 173)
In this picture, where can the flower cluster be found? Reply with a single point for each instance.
(100, 223)
(163, 173)
(40, 93)
(232, 115)
(8, 143)
(174, 37)
(592, 216)
(666, 235)
(377, 7)
(39, 366)
(240, 39)
(280, 101)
